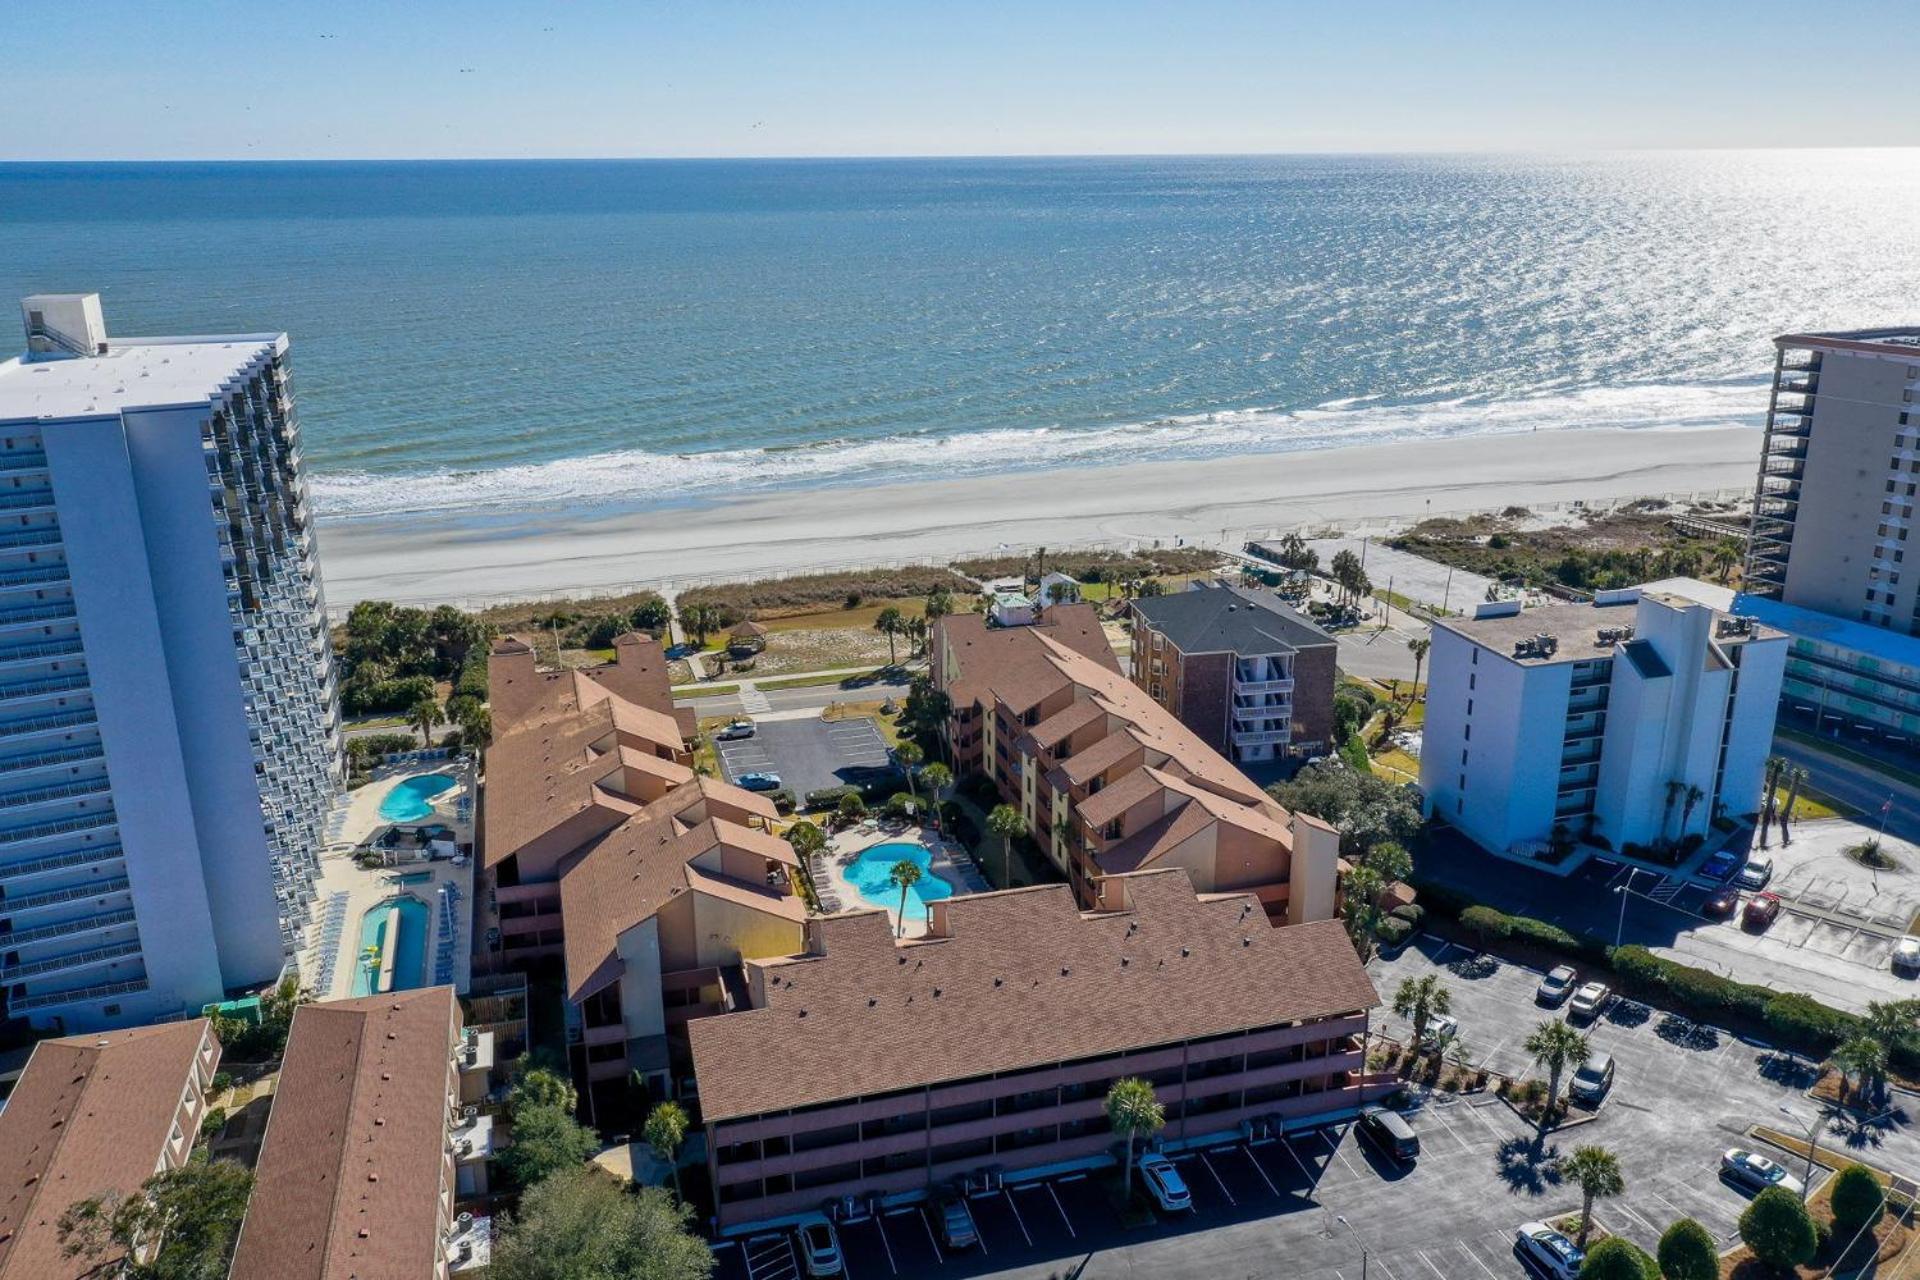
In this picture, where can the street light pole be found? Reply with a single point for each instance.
(1622, 890)
(1813, 1147)
(1341, 1219)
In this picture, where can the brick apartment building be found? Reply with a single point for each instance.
(871, 1067)
(1109, 780)
(1239, 667)
(95, 1115)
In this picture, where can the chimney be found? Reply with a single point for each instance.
(511, 683)
(64, 324)
(1315, 872)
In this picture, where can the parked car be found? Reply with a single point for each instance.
(759, 781)
(1594, 1078)
(820, 1250)
(1441, 1030)
(1760, 911)
(1906, 955)
(1755, 874)
(1556, 986)
(1720, 866)
(1589, 1000)
(1390, 1133)
(1722, 903)
(1754, 1171)
(734, 730)
(1547, 1251)
(956, 1224)
(1164, 1183)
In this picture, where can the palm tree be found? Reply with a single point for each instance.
(1360, 908)
(1894, 1025)
(1726, 557)
(423, 715)
(1419, 1001)
(1674, 788)
(1151, 587)
(806, 838)
(890, 623)
(476, 725)
(909, 754)
(1689, 802)
(1795, 777)
(666, 1130)
(1862, 1058)
(701, 619)
(1596, 1171)
(1005, 821)
(906, 874)
(939, 604)
(938, 778)
(1556, 1047)
(1133, 1112)
(1775, 767)
(1418, 648)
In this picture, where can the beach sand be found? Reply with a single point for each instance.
(473, 560)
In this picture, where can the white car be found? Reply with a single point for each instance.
(1755, 1172)
(1588, 1001)
(734, 730)
(1164, 1183)
(1555, 985)
(1755, 874)
(1441, 1029)
(820, 1248)
(1906, 955)
(1547, 1251)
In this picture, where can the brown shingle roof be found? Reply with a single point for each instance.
(351, 1173)
(1005, 660)
(1019, 979)
(91, 1116)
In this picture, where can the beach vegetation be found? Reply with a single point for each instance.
(387, 655)
(580, 1224)
(1597, 553)
(818, 592)
(1097, 566)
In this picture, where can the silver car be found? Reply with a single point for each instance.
(1754, 1171)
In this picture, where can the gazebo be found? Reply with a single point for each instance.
(747, 636)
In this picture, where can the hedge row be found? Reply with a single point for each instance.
(1489, 924)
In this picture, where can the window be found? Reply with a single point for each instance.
(1476, 657)
(1467, 732)
(1469, 706)
(1463, 757)
(1463, 782)
(1459, 804)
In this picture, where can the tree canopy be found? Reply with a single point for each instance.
(193, 1211)
(1777, 1227)
(1368, 810)
(1688, 1251)
(1616, 1258)
(581, 1225)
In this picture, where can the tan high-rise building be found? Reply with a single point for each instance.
(1839, 478)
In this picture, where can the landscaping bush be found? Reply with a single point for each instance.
(1857, 1201)
(1617, 1258)
(473, 675)
(1688, 1251)
(1393, 932)
(829, 797)
(818, 592)
(1777, 1227)
(782, 798)
(1485, 923)
(1807, 1024)
(1413, 913)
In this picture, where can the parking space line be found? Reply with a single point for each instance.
(1441, 1116)
(1065, 1220)
(885, 1243)
(1429, 1261)
(938, 1256)
(1628, 1210)
(1018, 1220)
(1312, 1182)
(1262, 1172)
(1218, 1181)
(1468, 1250)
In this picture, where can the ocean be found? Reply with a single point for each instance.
(611, 334)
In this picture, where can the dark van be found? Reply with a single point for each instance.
(1390, 1132)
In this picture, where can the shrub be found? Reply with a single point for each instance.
(1857, 1200)
(829, 797)
(1617, 1258)
(851, 807)
(1485, 923)
(816, 592)
(1393, 932)
(1413, 913)
(782, 798)
(1805, 1022)
(1688, 1251)
(1777, 1228)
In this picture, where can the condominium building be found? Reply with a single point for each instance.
(1109, 780)
(169, 735)
(1839, 471)
(1242, 669)
(95, 1116)
(1636, 719)
(870, 1067)
(368, 1144)
(605, 848)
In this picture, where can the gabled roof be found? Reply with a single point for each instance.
(349, 1182)
(91, 1116)
(1014, 980)
(1230, 619)
(1005, 662)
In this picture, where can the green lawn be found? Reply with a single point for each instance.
(808, 682)
(704, 690)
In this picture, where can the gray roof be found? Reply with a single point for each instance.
(1225, 618)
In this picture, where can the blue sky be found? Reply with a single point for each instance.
(135, 79)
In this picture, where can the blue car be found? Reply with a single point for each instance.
(759, 781)
(1720, 867)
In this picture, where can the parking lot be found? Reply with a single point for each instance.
(808, 754)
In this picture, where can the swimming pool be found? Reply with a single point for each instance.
(870, 874)
(397, 926)
(412, 799)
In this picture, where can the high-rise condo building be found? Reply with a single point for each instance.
(169, 732)
(1839, 473)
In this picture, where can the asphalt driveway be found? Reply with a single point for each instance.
(808, 754)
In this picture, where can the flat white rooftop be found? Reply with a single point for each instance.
(134, 373)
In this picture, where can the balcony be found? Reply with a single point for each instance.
(35, 576)
(30, 538)
(44, 724)
(1591, 725)
(35, 652)
(67, 928)
(83, 995)
(59, 862)
(46, 795)
(25, 460)
(69, 963)
(1262, 686)
(27, 500)
(1785, 468)
(47, 830)
(36, 613)
(1261, 737)
(40, 688)
(55, 897)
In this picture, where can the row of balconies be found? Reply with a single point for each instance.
(69, 963)
(41, 724)
(67, 928)
(46, 795)
(22, 869)
(36, 613)
(55, 897)
(25, 689)
(17, 653)
(23, 460)
(45, 830)
(83, 995)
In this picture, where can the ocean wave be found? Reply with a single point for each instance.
(638, 477)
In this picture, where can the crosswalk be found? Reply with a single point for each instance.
(752, 701)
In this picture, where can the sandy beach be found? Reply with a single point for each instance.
(473, 560)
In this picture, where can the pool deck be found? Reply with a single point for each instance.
(346, 891)
(950, 863)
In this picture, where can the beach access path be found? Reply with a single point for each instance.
(474, 559)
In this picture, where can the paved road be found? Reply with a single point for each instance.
(1374, 654)
(812, 696)
(1855, 785)
(1412, 576)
